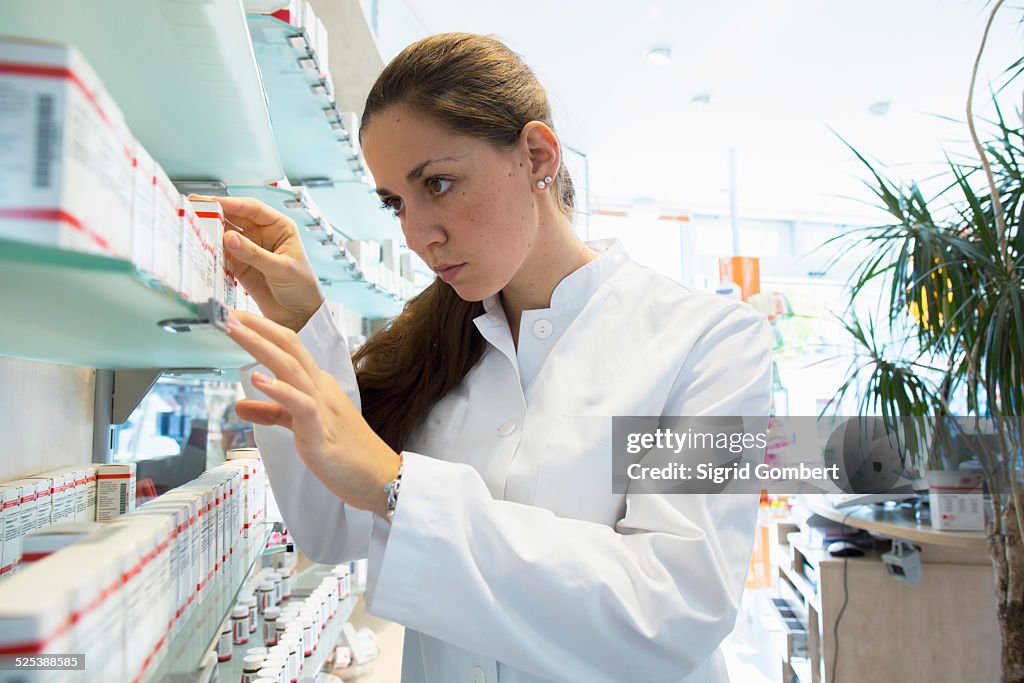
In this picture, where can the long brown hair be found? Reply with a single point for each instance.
(473, 85)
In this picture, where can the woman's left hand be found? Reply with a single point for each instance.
(331, 436)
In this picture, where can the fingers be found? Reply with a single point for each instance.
(246, 208)
(263, 413)
(301, 406)
(286, 339)
(283, 364)
(243, 250)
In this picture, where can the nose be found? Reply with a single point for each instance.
(422, 232)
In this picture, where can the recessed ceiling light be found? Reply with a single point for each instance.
(701, 98)
(880, 108)
(660, 56)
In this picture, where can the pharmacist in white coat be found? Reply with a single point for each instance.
(490, 524)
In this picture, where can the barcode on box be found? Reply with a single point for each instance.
(122, 503)
(46, 134)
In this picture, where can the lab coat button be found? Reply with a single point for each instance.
(542, 329)
(507, 428)
(476, 675)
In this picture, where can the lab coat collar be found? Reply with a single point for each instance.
(571, 294)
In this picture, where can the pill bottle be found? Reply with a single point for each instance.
(270, 626)
(240, 625)
(224, 642)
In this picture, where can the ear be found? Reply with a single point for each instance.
(542, 149)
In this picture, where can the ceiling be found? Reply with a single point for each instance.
(782, 75)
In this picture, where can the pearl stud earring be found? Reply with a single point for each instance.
(542, 183)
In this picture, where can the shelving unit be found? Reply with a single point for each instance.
(354, 209)
(311, 138)
(89, 310)
(182, 72)
(188, 649)
(220, 98)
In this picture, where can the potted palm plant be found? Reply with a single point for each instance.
(952, 268)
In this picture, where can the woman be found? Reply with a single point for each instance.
(505, 552)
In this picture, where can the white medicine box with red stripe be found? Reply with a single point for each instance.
(67, 153)
(75, 178)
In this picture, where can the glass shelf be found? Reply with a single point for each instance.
(309, 147)
(231, 670)
(285, 201)
(199, 633)
(83, 309)
(333, 265)
(366, 298)
(329, 259)
(182, 72)
(354, 209)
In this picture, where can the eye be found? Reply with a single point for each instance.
(439, 186)
(392, 204)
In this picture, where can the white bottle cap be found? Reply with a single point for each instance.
(252, 663)
(266, 585)
(272, 613)
(275, 663)
(256, 651)
(239, 611)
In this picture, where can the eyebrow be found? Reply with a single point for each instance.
(416, 173)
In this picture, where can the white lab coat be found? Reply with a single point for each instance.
(509, 558)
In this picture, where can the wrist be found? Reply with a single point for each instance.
(297, 322)
(380, 489)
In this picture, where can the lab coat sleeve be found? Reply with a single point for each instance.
(323, 526)
(566, 599)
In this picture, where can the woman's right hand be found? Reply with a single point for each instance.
(267, 257)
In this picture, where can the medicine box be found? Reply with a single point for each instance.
(90, 493)
(66, 152)
(166, 231)
(956, 501)
(10, 528)
(210, 219)
(29, 515)
(115, 491)
(143, 208)
(63, 495)
(81, 474)
(44, 506)
(46, 541)
(196, 258)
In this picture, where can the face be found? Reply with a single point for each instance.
(466, 207)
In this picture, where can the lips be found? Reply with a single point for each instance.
(447, 271)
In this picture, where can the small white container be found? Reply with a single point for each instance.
(240, 625)
(266, 595)
(249, 602)
(251, 667)
(224, 644)
(270, 626)
(286, 583)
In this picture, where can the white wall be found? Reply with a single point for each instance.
(46, 414)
